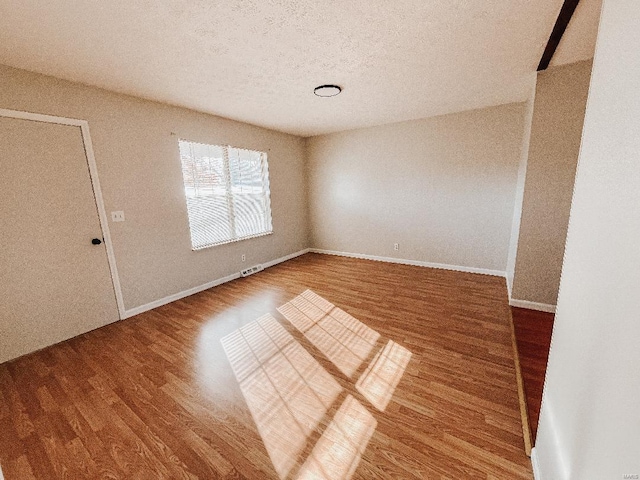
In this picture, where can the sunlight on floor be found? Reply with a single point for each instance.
(383, 374)
(338, 451)
(287, 390)
(344, 340)
(292, 398)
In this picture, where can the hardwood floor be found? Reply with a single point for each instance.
(321, 367)
(533, 335)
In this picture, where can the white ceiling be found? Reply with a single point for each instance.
(258, 60)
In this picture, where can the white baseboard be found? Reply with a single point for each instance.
(200, 288)
(534, 464)
(483, 271)
(417, 263)
(177, 296)
(541, 307)
(285, 258)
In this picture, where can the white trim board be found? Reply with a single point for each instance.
(95, 185)
(285, 258)
(540, 307)
(177, 296)
(535, 466)
(417, 263)
(200, 288)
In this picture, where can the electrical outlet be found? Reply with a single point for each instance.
(396, 247)
(244, 257)
(117, 216)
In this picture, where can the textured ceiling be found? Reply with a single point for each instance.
(258, 60)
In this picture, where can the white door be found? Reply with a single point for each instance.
(54, 282)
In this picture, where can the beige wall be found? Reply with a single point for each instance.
(522, 171)
(135, 143)
(558, 116)
(443, 188)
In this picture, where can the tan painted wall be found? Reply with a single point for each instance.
(443, 188)
(139, 167)
(558, 116)
(522, 170)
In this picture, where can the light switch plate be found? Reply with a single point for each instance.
(117, 216)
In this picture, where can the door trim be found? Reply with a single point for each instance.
(95, 184)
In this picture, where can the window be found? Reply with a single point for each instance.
(227, 191)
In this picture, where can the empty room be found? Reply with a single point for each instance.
(319, 240)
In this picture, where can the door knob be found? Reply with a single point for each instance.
(96, 241)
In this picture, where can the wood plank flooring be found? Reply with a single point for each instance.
(533, 335)
(321, 367)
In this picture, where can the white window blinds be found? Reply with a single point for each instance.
(227, 191)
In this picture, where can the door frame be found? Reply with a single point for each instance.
(95, 184)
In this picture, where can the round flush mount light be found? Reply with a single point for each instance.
(327, 90)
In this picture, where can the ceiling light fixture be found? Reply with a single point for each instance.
(327, 90)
